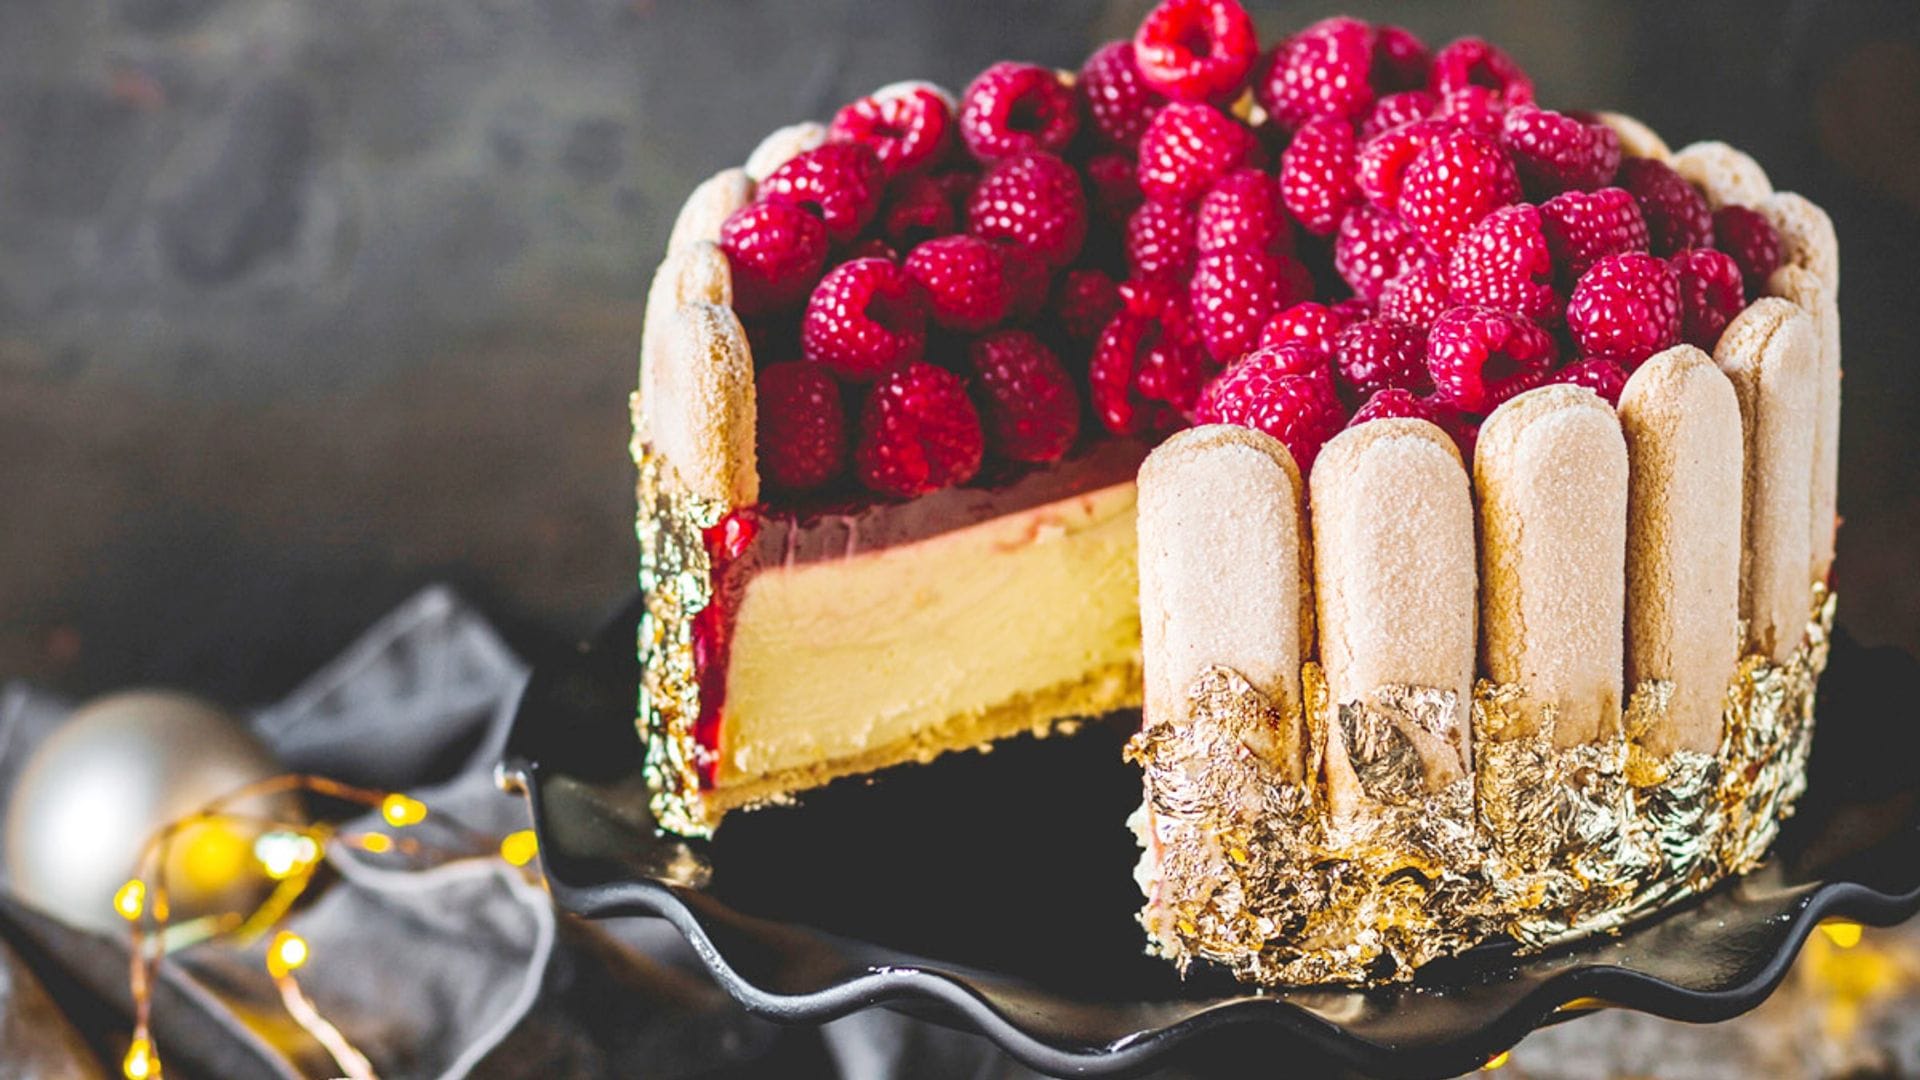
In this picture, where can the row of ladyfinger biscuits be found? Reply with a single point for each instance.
(1591, 551)
(695, 403)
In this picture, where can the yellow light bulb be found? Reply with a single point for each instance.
(283, 854)
(141, 1062)
(400, 811)
(519, 848)
(1841, 932)
(131, 900)
(286, 953)
(377, 842)
(1498, 1060)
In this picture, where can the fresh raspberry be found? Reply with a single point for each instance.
(873, 247)
(1034, 201)
(799, 424)
(842, 181)
(1418, 295)
(1317, 172)
(908, 131)
(1310, 325)
(1401, 61)
(1353, 309)
(1321, 71)
(1118, 99)
(1503, 262)
(958, 185)
(1381, 354)
(1626, 308)
(1027, 402)
(965, 280)
(1243, 211)
(776, 252)
(1372, 248)
(1154, 297)
(1301, 411)
(1398, 110)
(1396, 403)
(1479, 357)
(1603, 377)
(1085, 301)
(1381, 167)
(918, 433)
(1677, 215)
(1473, 108)
(865, 317)
(1145, 372)
(1471, 61)
(1028, 281)
(1187, 147)
(1014, 108)
(1160, 240)
(1196, 50)
(917, 210)
(1753, 243)
(1711, 294)
(1115, 186)
(1457, 180)
(1584, 227)
(1233, 294)
(1555, 152)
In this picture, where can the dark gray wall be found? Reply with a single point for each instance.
(306, 302)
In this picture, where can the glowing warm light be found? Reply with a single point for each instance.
(400, 811)
(1497, 1060)
(131, 900)
(141, 1063)
(284, 854)
(286, 953)
(377, 842)
(211, 854)
(1841, 932)
(519, 848)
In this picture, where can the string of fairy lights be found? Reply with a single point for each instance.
(287, 854)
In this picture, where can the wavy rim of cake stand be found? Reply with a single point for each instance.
(957, 999)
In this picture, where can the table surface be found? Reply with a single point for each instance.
(303, 306)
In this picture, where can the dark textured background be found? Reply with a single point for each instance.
(305, 303)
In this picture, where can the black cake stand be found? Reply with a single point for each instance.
(993, 892)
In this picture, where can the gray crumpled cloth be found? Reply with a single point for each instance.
(461, 969)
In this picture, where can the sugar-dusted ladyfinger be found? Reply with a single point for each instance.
(1222, 572)
(1805, 288)
(1550, 468)
(782, 146)
(710, 205)
(697, 272)
(1806, 233)
(1772, 353)
(1636, 139)
(1394, 582)
(702, 416)
(1684, 446)
(1724, 175)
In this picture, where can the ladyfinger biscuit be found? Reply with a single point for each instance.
(710, 205)
(1222, 578)
(1684, 444)
(1806, 233)
(1636, 139)
(782, 146)
(1394, 581)
(1726, 176)
(1805, 289)
(1551, 472)
(699, 272)
(1772, 354)
(702, 416)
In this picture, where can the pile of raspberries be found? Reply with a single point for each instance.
(1345, 227)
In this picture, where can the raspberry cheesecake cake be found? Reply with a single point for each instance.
(1514, 433)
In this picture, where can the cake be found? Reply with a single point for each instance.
(1450, 480)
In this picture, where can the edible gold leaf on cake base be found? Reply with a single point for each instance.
(1540, 844)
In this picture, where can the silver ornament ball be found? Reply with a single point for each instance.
(89, 797)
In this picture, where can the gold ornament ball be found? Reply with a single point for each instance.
(89, 796)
